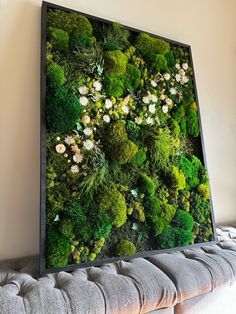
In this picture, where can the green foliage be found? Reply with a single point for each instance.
(58, 249)
(67, 229)
(98, 245)
(55, 75)
(63, 110)
(115, 62)
(125, 248)
(204, 191)
(159, 63)
(139, 158)
(147, 185)
(200, 209)
(149, 46)
(170, 59)
(80, 39)
(112, 202)
(114, 85)
(132, 77)
(69, 22)
(115, 37)
(174, 126)
(192, 122)
(183, 220)
(58, 38)
(168, 212)
(177, 178)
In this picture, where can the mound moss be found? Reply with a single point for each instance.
(132, 77)
(115, 62)
(125, 248)
(58, 38)
(149, 46)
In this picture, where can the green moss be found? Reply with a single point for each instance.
(100, 224)
(139, 158)
(174, 126)
(58, 38)
(67, 229)
(159, 224)
(132, 77)
(183, 220)
(204, 191)
(62, 111)
(138, 211)
(168, 211)
(124, 152)
(170, 59)
(149, 46)
(200, 209)
(55, 75)
(177, 178)
(58, 249)
(78, 39)
(69, 22)
(172, 237)
(192, 122)
(125, 248)
(112, 202)
(147, 185)
(159, 63)
(98, 245)
(115, 62)
(114, 85)
(153, 206)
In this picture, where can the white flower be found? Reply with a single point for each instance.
(78, 158)
(178, 77)
(138, 120)
(108, 104)
(150, 121)
(74, 169)
(65, 155)
(83, 90)
(146, 100)
(83, 101)
(162, 97)
(69, 140)
(88, 144)
(60, 148)
(167, 76)
(125, 109)
(106, 118)
(169, 101)
(185, 66)
(154, 98)
(181, 72)
(58, 138)
(165, 108)
(154, 83)
(152, 108)
(177, 66)
(173, 91)
(88, 131)
(97, 85)
(85, 119)
(185, 79)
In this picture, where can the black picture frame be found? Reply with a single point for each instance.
(42, 257)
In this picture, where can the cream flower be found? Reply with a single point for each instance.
(60, 148)
(75, 149)
(74, 169)
(85, 119)
(185, 79)
(138, 120)
(78, 158)
(58, 138)
(69, 140)
(178, 77)
(88, 131)
(83, 90)
(167, 76)
(154, 98)
(97, 85)
(146, 100)
(185, 66)
(165, 108)
(152, 108)
(88, 144)
(162, 97)
(150, 121)
(181, 72)
(177, 66)
(106, 118)
(108, 104)
(169, 101)
(154, 83)
(173, 91)
(83, 101)
(125, 109)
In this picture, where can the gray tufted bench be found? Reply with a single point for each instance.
(191, 281)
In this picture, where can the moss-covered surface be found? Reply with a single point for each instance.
(125, 171)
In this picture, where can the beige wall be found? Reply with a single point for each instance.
(208, 25)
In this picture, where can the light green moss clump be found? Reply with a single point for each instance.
(55, 75)
(132, 77)
(112, 202)
(177, 178)
(149, 46)
(139, 158)
(58, 38)
(125, 248)
(115, 62)
(168, 212)
(204, 191)
(159, 62)
(159, 224)
(147, 185)
(114, 85)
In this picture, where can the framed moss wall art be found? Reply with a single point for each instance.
(123, 170)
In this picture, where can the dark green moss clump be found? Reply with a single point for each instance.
(132, 77)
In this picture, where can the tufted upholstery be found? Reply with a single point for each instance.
(163, 284)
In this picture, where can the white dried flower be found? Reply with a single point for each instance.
(169, 101)
(125, 109)
(185, 79)
(173, 91)
(69, 140)
(167, 76)
(152, 108)
(165, 108)
(85, 119)
(88, 144)
(162, 97)
(60, 148)
(97, 85)
(78, 158)
(185, 66)
(83, 101)
(177, 66)
(74, 169)
(154, 83)
(108, 104)
(146, 100)
(88, 131)
(178, 77)
(58, 138)
(83, 90)
(150, 121)
(106, 118)
(154, 98)
(138, 120)
(181, 72)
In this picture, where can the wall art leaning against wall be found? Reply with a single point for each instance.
(122, 171)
